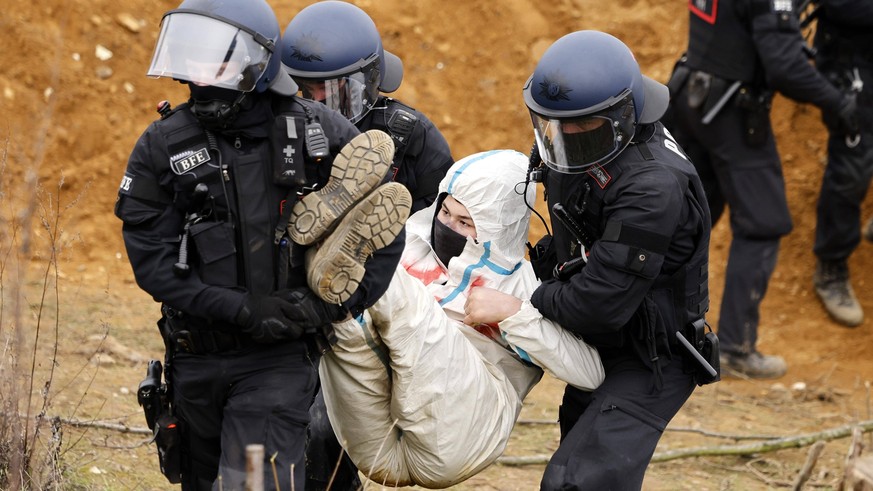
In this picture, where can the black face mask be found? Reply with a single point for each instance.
(215, 107)
(446, 242)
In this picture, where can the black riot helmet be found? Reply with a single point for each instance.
(586, 99)
(334, 52)
(223, 49)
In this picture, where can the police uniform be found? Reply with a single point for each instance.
(421, 156)
(738, 53)
(227, 389)
(844, 36)
(645, 279)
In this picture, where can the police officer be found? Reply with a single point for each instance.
(631, 240)
(204, 201)
(738, 54)
(844, 54)
(334, 52)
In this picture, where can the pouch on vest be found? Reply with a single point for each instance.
(217, 252)
(286, 144)
(756, 115)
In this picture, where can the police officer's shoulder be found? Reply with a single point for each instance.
(783, 10)
(166, 110)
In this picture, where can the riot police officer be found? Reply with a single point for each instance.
(205, 201)
(631, 240)
(844, 54)
(334, 52)
(738, 54)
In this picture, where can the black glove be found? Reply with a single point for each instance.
(268, 319)
(314, 315)
(845, 120)
(310, 312)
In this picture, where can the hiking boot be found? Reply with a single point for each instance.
(360, 166)
(868, 230)
(335, 268)
(831, 282)
(752, 365)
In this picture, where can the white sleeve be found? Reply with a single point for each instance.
(553, 348)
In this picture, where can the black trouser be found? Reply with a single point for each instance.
(324, 454)
(748, 179)
(846, 177)
(609, 436)
(260, 394)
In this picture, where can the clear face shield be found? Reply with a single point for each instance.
(206, 51)
(575, 144)
(352, 94)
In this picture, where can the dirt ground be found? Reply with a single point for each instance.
(75, 98)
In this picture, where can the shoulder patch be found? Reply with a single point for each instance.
(705, 9)
(600, 175)
(783, 6)
(126, 183)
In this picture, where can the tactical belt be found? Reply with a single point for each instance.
(202, 341)
(186, 334)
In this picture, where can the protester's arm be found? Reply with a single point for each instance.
(543, 342)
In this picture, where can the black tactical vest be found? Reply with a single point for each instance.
(720, 39)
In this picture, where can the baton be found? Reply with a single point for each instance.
(708, 117)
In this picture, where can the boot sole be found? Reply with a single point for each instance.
(360, 166)
(336, 268)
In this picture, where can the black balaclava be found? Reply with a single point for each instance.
(230, 111)
(446, 242)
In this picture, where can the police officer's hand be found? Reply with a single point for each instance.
(845, 120)
(268, 319)
(314, 315)
(311, 312)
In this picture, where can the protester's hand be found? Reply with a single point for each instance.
(489, 306)
(268, 319)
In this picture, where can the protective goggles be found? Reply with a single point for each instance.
(207, 51)
(574, 144)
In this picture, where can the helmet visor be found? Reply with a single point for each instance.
(207, 51)
(575, 144)
(353, 94)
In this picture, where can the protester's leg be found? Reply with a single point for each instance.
(356, 385)
(361, 165)
(454, 409)
(336, 268)
(610, 435)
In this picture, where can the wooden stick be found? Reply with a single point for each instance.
(255, 467)
(808, 466)
(772, 445)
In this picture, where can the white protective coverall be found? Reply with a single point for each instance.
(413, 394)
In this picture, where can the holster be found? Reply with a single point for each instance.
(701, 349)
(168, 439)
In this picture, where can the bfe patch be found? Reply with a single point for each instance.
(185, 161)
